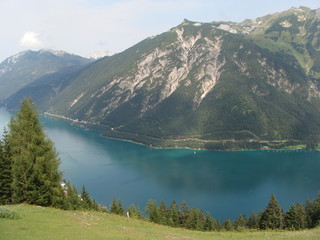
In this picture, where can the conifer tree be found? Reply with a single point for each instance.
(192, 221)
(253, 221)
(174, 214)
(272, 217)
(163, 213)
(208, 223)
(71, 200)
(185, 214)
(313, 212)
(86, 201)
(35, 165)
(120, 208)
(290, 218)
(301, 217)
(200, 220)
(228, 225)
(152, 209)
(5, 171)
(114, 206)
(240, 222)
(134, 212)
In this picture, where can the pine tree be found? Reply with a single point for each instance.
(174, 215)
(313, 212)
(253, 221)
(86, 201)
(228, 225)
(208, 223)
(240, 223)
(163, 213)
(71, 200)
(5, 171)
(272, 217)
(200, 220)
(301, 217)
(185, 214)
(35, 165)
(290, 218)
(120, 208)
(134, 212)
(114, 206)
(295, 218)
(192, 219)
(152, 209)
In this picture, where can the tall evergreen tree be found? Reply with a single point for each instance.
(5, 171)
(192, 219)
(114, 206)
(86, 201)
(35, 164)
(71, 200)
(174, 215)
(120, 208)
(185, 214)
(301, 217)
(290, 218)
(209, 223)
(163, 214)
(295, 217)
(313, 212)
(200, 220)
(253, 221)
(152, 209)
(272, 217)
(240, 223)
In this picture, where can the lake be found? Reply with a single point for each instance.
(226, 184)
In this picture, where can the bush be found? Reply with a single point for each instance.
(8, 214)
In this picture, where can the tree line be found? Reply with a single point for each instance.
(298, 217)
(29, 172)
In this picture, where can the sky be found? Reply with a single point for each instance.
(85, 26)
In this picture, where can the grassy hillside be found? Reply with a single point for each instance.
(48, 223)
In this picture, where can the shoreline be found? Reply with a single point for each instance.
(94, 126)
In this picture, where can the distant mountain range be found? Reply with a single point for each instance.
(18, 71)
(219, 85)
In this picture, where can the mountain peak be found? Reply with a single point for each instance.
(58, 53)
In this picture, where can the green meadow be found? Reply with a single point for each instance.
(49, 223)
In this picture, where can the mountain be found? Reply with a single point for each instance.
(292, 34)
(219, 85)
(44, 89)
(23, 68)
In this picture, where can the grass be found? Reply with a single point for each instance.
(49, 223)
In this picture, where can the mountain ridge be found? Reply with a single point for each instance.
(25, 67)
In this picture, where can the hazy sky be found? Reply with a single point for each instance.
(83, 26)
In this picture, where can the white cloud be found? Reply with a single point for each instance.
(31, 40)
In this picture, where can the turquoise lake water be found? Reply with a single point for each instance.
(226, 184)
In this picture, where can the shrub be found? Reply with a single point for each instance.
(7, 213)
